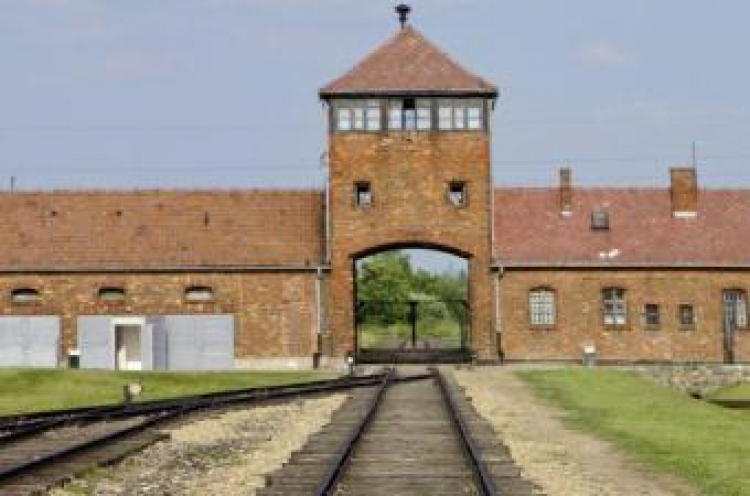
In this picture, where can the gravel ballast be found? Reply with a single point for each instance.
(228, 454)
(562, 461)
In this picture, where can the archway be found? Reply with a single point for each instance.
(411, 302)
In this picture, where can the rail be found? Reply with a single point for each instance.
(342, 458)
(481, 473)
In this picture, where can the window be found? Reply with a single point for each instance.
(410, 114)
(111, 294)
(542, 307)
(344, 119)
(357, 115)
(460, 114)
(600, 220)
(614, 307)
(735, 308)
(651, 316)
(686, 316)
(24, 296)
(362, 194)
(457, 193)
(199, 294)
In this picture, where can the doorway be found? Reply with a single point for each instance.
(128, 346)
(735, 317)
(413, 304)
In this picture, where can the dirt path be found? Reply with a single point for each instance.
(562, 461)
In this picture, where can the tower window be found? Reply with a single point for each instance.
(457, 193)
(362, 194)
(357, 115)
(460, 114)
(410, 114)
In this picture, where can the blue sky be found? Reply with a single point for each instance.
(223, 93)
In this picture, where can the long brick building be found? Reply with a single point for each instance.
(262, 278)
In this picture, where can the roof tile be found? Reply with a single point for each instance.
(408, 63)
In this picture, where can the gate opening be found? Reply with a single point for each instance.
(128, 347)
(412, 305)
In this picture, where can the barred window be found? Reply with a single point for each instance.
(614, 307)
(542, 307)
(651, 315)
(686, 314)
(735, 308)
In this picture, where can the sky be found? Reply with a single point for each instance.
(123, 94)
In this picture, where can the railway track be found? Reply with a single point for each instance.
(415, 438)
(41, 450)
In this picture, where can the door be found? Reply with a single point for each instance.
(128, 355)
(200, 342)
(735, 317)
(96, 342)
(29, 341)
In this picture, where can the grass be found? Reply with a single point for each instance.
(739, 392)
(373, 335)
(27, 390)
(704, 444)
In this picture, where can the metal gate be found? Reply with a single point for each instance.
(29, 341)
(412, 325)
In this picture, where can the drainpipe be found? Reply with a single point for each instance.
(499, 272)
(319, 314)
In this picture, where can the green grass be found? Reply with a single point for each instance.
(373, 335)
(27, 390)
(704, 444)
(739, 392)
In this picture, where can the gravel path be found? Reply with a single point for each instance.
(226, 455)
(563, 462)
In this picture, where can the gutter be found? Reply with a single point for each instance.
(114, 269)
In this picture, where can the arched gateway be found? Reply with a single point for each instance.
(409, 166)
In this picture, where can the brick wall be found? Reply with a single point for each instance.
(409, 175)
(275, 313)
(579, 318)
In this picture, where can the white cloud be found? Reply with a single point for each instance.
(601, 54)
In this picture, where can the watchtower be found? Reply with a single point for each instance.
(409, 166)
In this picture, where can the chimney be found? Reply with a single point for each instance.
(566, 191)
(684, 191)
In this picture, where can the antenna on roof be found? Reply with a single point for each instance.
(403, 11)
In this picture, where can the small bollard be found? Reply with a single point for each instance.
(589, 356)
(350, 364)
(130, 391)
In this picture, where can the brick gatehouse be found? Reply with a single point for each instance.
(265, 278)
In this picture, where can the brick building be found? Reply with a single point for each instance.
(221, 279)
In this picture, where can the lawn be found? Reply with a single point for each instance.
(667, 430)
(26, 390)
(739, 392)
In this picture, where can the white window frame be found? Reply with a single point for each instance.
(614, 307)
(542, 307)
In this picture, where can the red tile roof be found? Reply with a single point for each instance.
(159, 229)
(530, 230)
(408, 63)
